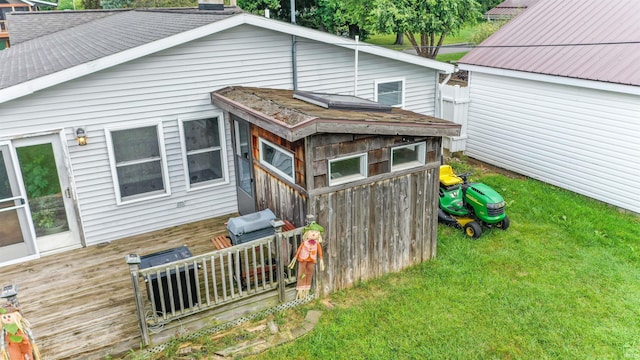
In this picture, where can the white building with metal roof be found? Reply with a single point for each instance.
(555, 95)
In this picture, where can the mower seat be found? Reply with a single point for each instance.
(448, 177)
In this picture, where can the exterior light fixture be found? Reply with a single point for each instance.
(81, 136)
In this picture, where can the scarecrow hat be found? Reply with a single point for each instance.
(313, 226)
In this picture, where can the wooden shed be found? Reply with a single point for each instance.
(368, 172)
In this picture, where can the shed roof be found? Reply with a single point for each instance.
(508, 9)
(582, 39)
(292, 119)
(89, 46)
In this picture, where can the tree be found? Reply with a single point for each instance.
(258, 6)
(91, 4)
(430, 20)
(350, 17)
(486, 29)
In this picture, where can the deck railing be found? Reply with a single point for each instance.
(181, 288)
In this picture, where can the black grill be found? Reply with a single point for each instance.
(495, 212)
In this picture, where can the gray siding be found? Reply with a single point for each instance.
(326, 68)
(175, 84)
(580, 139)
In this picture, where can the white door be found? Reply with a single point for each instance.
(16, 233)
(46, 182)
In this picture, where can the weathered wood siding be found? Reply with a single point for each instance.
(580, 139)
(378, 148)
(376, 225)
(176, 84)
(377, 228)
(285, 201)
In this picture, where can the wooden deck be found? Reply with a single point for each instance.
(80, 303)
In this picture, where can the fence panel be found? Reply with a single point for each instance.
(455, 107)
(189, 286)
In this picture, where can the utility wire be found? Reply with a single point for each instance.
(363, 44)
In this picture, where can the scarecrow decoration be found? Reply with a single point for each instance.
(16, 342)
(307, 255)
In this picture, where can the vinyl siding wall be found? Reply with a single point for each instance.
(580, 139)
(176, 84)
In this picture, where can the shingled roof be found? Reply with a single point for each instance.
(582, 39)
(27, 25)
(111, 40)
(95, 39)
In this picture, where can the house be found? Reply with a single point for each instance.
(119, 121)
(508, 9)
(137, 131)
(554, 96)
(8, 6)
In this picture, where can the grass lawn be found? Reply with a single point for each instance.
(463, 36)
(387, 40)
(561, 283)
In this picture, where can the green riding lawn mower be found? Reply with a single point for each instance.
(469, 206)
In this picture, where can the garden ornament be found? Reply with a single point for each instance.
(16, 342)
(307, 255)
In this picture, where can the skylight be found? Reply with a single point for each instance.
(343, 102)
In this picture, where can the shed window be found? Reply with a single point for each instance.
(390, 92)
(138, 163)
(347, 169)
(408, 156)
(203, 148)
(277, 159)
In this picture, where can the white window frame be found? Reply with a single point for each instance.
(422, 156)
(273, 168)
(364, 169)
(163, 163)
(223, 153)
(390, 80)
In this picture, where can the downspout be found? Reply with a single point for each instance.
(355, 76)
(294, 63)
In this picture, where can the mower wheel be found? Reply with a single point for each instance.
(504, 224)
(473, 230)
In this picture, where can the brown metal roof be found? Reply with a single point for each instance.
(280, 113)
(509, 8)
(584, 39)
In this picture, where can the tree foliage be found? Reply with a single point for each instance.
(350, 17)
(425, 22)
(486, 29)
(91, 4)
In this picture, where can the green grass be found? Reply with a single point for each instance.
(561, 283)
(387, 40)
(450, 57)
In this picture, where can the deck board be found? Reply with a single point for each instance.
(80, 302)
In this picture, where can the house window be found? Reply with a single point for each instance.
(277, 159)
(346, 169)
(138, 163)
(390, 92)
(408, 156)
(202, 142)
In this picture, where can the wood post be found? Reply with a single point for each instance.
(134, 267)
(281, 262)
